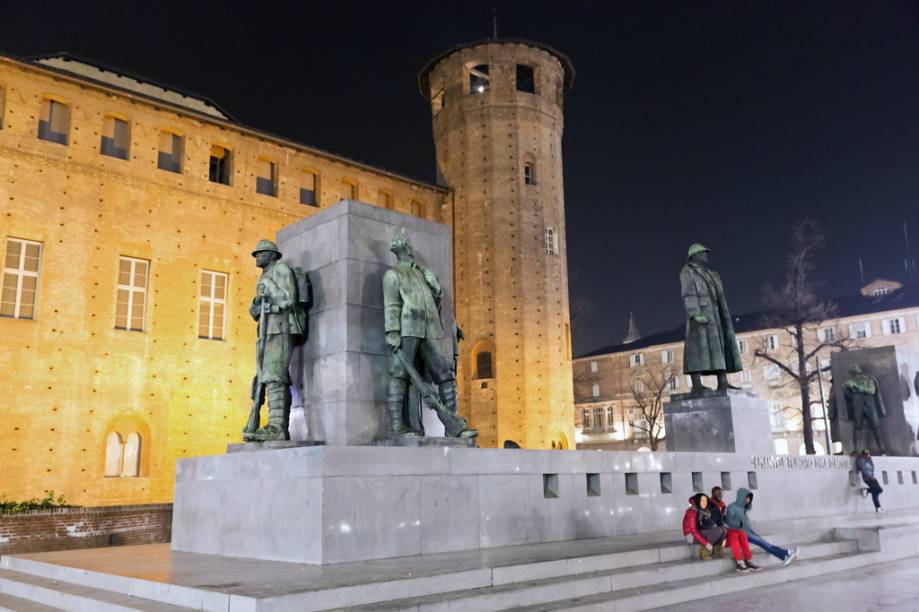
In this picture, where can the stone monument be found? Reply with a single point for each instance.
(872, 388)
(724, 419)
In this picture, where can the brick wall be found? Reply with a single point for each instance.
(70, 528)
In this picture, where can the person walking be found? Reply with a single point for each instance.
(737, 520)
(698, 523)
(865, 466)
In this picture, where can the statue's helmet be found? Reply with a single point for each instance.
(266, 245)
(401, 242)
(856, 369)
(697, 248)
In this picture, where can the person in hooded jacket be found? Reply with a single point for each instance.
(698, 523)
(739, 523)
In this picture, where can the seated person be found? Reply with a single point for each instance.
(739, 523)
(699, 525)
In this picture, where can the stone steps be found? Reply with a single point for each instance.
(615, 579)
(57, 595)
(8, 603)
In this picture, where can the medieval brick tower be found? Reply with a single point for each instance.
(497, 121)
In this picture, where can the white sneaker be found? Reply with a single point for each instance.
(879, 510)
(792, 555)
(864, 492)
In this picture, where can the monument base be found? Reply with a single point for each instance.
(725, 421)
(247, 447)
(426, 441)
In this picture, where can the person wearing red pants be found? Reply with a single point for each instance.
(740, 546)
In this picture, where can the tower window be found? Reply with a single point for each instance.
(116, 137)
(308, 188)
(484, 367)
(220, 165)
(551, 241)
(418, 209)
(20, 279)
(437, 100)
(122, 457)
(529, 175)
(479, 81)
(169, 156)
(266, 181)
(211, 305)
(54, 122)
(526, 80)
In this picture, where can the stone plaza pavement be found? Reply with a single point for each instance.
(883, 587)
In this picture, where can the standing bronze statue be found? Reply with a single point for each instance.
(711, 347)
(415, 336)
(279, 307)
(864, 402)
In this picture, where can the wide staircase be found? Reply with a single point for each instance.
(640, 572)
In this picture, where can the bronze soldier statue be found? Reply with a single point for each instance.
(281, 326)
(415, 336)
(864, 402)
(711, 347)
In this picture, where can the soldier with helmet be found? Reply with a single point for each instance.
(281, 325)
(711, 346)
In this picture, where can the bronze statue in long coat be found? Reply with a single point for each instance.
(711, 346)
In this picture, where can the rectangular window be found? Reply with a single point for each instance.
(639, 387)
(221, 163)
(772, 375)
(667, 356)
(636, 359)
(610, 419)
(479, 81)
(746, 376)
(528, 178)
(772, 342)
(418, 209)
(674, 383)
(551, 241)
(212, 305)
(776, 416)
(598, 419)
(116, 137)
(594, 366)
(893, 326)
(742, 345)
(132, 293)
(266, 178)
(385, 199)
(860, 330)
(585, 420)
(348, 189)
(309, 188)
(596, 390)
(54, 121)
(169, 156)
(526, 80)
(20, 278)
(826, 334)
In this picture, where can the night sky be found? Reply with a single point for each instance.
(718, 122)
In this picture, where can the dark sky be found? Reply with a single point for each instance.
(718, 122)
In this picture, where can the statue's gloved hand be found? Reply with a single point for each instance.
(393, 340)
(700, 319)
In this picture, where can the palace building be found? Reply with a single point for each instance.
(129, 212)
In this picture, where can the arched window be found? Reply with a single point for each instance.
(131, 465)
(113, 454)
(483, 365)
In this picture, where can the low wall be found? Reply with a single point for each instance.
(337, 504)
(70, 528)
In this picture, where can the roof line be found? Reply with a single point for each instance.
(230, 124)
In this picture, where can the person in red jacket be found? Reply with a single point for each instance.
(698, 523)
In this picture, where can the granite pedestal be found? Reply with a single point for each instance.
(719, 421)
(340, 375)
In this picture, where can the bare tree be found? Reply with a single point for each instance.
(649, 388)
(796, 308)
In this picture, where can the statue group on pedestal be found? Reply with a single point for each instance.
(420, 371)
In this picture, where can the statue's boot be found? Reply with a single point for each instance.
(395, 401)
(723, 381)
(697, 386)
(279, 401)
(455, 427)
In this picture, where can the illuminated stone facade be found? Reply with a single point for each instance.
(118, 199)
(885, 313)
(497, 120)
